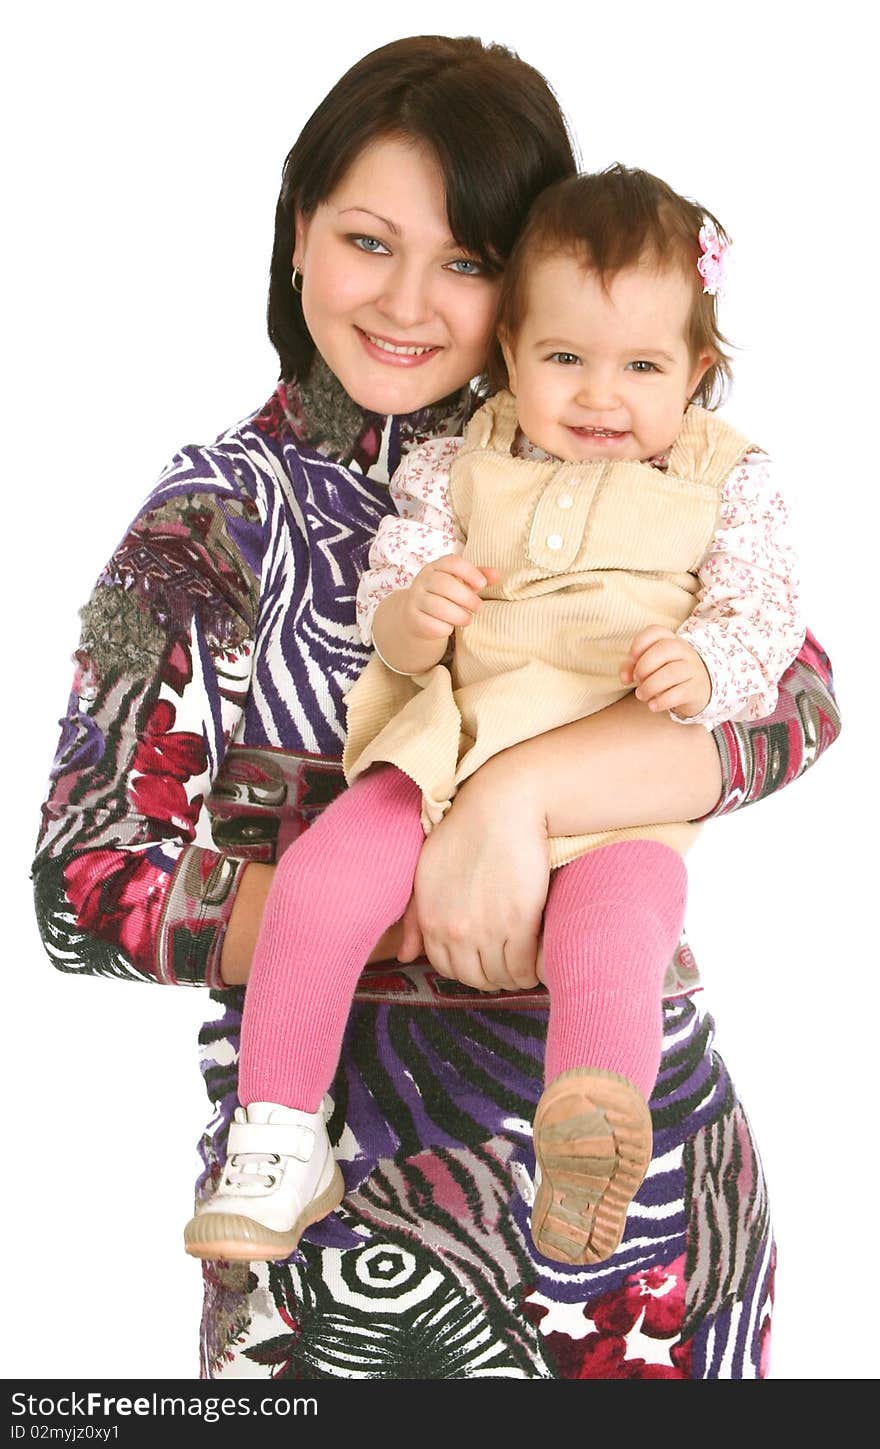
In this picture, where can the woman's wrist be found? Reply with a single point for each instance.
(508, 787)
(244, 923)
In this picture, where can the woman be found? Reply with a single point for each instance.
(216, 652)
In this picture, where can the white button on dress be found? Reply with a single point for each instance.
(554, 541)
(564, 500)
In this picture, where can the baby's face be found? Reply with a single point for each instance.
(603, 374)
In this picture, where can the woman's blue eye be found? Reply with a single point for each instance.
(369, 244)
(568, 359)
(466, 267)
(642, 366)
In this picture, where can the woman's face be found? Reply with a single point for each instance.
(397, 309)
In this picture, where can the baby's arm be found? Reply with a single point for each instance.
(411, 627)
(418, 589)
(727, 658)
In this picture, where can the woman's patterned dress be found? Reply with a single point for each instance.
(204, 731)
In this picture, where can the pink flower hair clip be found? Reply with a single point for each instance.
(712, 265)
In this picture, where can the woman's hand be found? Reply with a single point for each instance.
(480, 887)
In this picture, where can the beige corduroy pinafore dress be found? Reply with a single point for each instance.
(588, 554)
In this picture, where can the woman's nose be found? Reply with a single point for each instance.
(406, 299)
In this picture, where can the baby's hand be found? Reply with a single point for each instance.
(445, 595)
(668, 672)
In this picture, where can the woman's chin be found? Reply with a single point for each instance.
(396, 397)
(380, 388)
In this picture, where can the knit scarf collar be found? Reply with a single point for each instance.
(323, 417)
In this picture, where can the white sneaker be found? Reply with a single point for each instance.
(280, 1176)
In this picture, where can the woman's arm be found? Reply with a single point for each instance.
(759, 757)
(162, 672)
(479, 882)
(247, 916)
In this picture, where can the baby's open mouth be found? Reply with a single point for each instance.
(598, 432)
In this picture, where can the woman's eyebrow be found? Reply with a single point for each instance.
(365, 210)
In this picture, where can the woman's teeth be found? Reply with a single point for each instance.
(391, 347)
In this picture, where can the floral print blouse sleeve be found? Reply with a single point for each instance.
(422, 529)
(747, 625)
(784, 726)
(123, 886)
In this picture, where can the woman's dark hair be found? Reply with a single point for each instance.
(492, 121)
(608, 221)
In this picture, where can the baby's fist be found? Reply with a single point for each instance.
(667, 672)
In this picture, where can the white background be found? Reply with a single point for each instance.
(145, 151)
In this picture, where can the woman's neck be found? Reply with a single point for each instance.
(325, 418)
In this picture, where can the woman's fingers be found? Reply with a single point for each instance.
(521, 961)
(494, 966)
(459, 963)
(411, 945)
(481, 884)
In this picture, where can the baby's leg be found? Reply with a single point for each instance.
(612, 921)
(336, 890)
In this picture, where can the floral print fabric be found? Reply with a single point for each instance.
(204, 731)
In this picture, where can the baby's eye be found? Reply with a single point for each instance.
(642, 366)
(370, 244)
(568, 359)
(466, 267)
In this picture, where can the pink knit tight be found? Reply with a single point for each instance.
(612, 921)
(611, 924)
(336, 889)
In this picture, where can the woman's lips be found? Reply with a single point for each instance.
(393, 353)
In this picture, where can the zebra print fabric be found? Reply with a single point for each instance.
(428, 1269)
(203, 732)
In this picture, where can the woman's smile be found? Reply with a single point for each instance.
(395, 353)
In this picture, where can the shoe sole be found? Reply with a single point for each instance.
(235, 1238)
(593, 1143)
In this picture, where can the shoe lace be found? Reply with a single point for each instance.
(250, 1169)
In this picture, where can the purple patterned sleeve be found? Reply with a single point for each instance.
(759, 757)
(123, 884)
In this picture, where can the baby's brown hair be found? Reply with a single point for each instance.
(609, 220)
